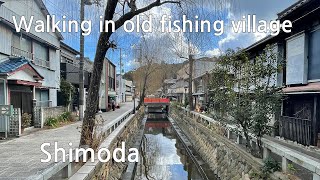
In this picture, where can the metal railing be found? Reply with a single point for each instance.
(29, 56)
(41, 62)
(295, 129)
(21, 53)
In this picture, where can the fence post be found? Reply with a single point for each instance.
(316, 176)
(266, 152)
(19, 121)
(67, 171)
(239, 139)
(284, 164)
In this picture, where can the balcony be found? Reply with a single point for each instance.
(295, 129)
(30, 56)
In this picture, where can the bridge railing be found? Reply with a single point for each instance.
(156, 100)
(288, 155)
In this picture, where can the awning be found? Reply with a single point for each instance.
(309, 88)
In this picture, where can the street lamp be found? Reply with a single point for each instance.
(1, 2)
(134, 99)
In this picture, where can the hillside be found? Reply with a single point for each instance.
(159, 72)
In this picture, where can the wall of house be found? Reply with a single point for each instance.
(28, 9)
(5, 45)
(103, 90)
(201, 67)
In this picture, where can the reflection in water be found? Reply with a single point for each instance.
(163, 156)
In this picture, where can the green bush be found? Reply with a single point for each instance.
(270, 166)
(64, 117)
(52, 122)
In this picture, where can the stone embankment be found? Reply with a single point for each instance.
(114, 170)
(225, 158)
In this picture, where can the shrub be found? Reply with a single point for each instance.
(52, 122)
(64, 117)
(270, 166)
(26, 120)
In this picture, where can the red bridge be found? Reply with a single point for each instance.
(157, 105)
(156, 101)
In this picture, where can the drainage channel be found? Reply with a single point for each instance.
(166, 153)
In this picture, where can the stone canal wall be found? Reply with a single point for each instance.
(114, 170)
(226, 159)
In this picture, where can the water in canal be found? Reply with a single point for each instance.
(163, 156)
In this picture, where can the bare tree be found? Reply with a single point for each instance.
(187, 45)
(103, 45)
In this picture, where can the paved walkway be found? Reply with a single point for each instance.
(20, 158)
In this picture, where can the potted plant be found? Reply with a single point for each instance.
(25, 121)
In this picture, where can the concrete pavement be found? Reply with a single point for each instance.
(20, 158)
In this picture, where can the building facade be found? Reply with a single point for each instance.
(300, 78)
(107, 86)
(69, 70)
(30, 61)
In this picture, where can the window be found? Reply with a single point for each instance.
(41, 55)
(41, 52)
(314, 55)
(296, 72)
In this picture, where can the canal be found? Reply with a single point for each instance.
(163, 155)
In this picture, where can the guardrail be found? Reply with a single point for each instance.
(288, 155)
(65, 168)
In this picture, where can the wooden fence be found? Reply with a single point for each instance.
(296, 129)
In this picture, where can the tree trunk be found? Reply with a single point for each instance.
(248, 145)
(191, 60)
(93, 94)
(143, 93)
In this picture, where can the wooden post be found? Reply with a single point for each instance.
(314, 121)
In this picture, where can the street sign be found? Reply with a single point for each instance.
(6, 110)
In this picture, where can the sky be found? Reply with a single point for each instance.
(205, 44)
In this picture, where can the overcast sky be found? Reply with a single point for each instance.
(264, 9)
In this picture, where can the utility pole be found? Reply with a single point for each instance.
(121, 94)
(81, 77)
(191, 60)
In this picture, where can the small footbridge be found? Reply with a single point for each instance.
(157, 105)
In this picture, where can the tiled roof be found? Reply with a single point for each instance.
(311, 87)
(12, 64)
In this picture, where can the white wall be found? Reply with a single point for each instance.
(53, 97)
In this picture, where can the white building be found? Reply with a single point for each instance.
(124, 90)
(30, 61)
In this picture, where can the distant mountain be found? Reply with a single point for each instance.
(158, 73)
